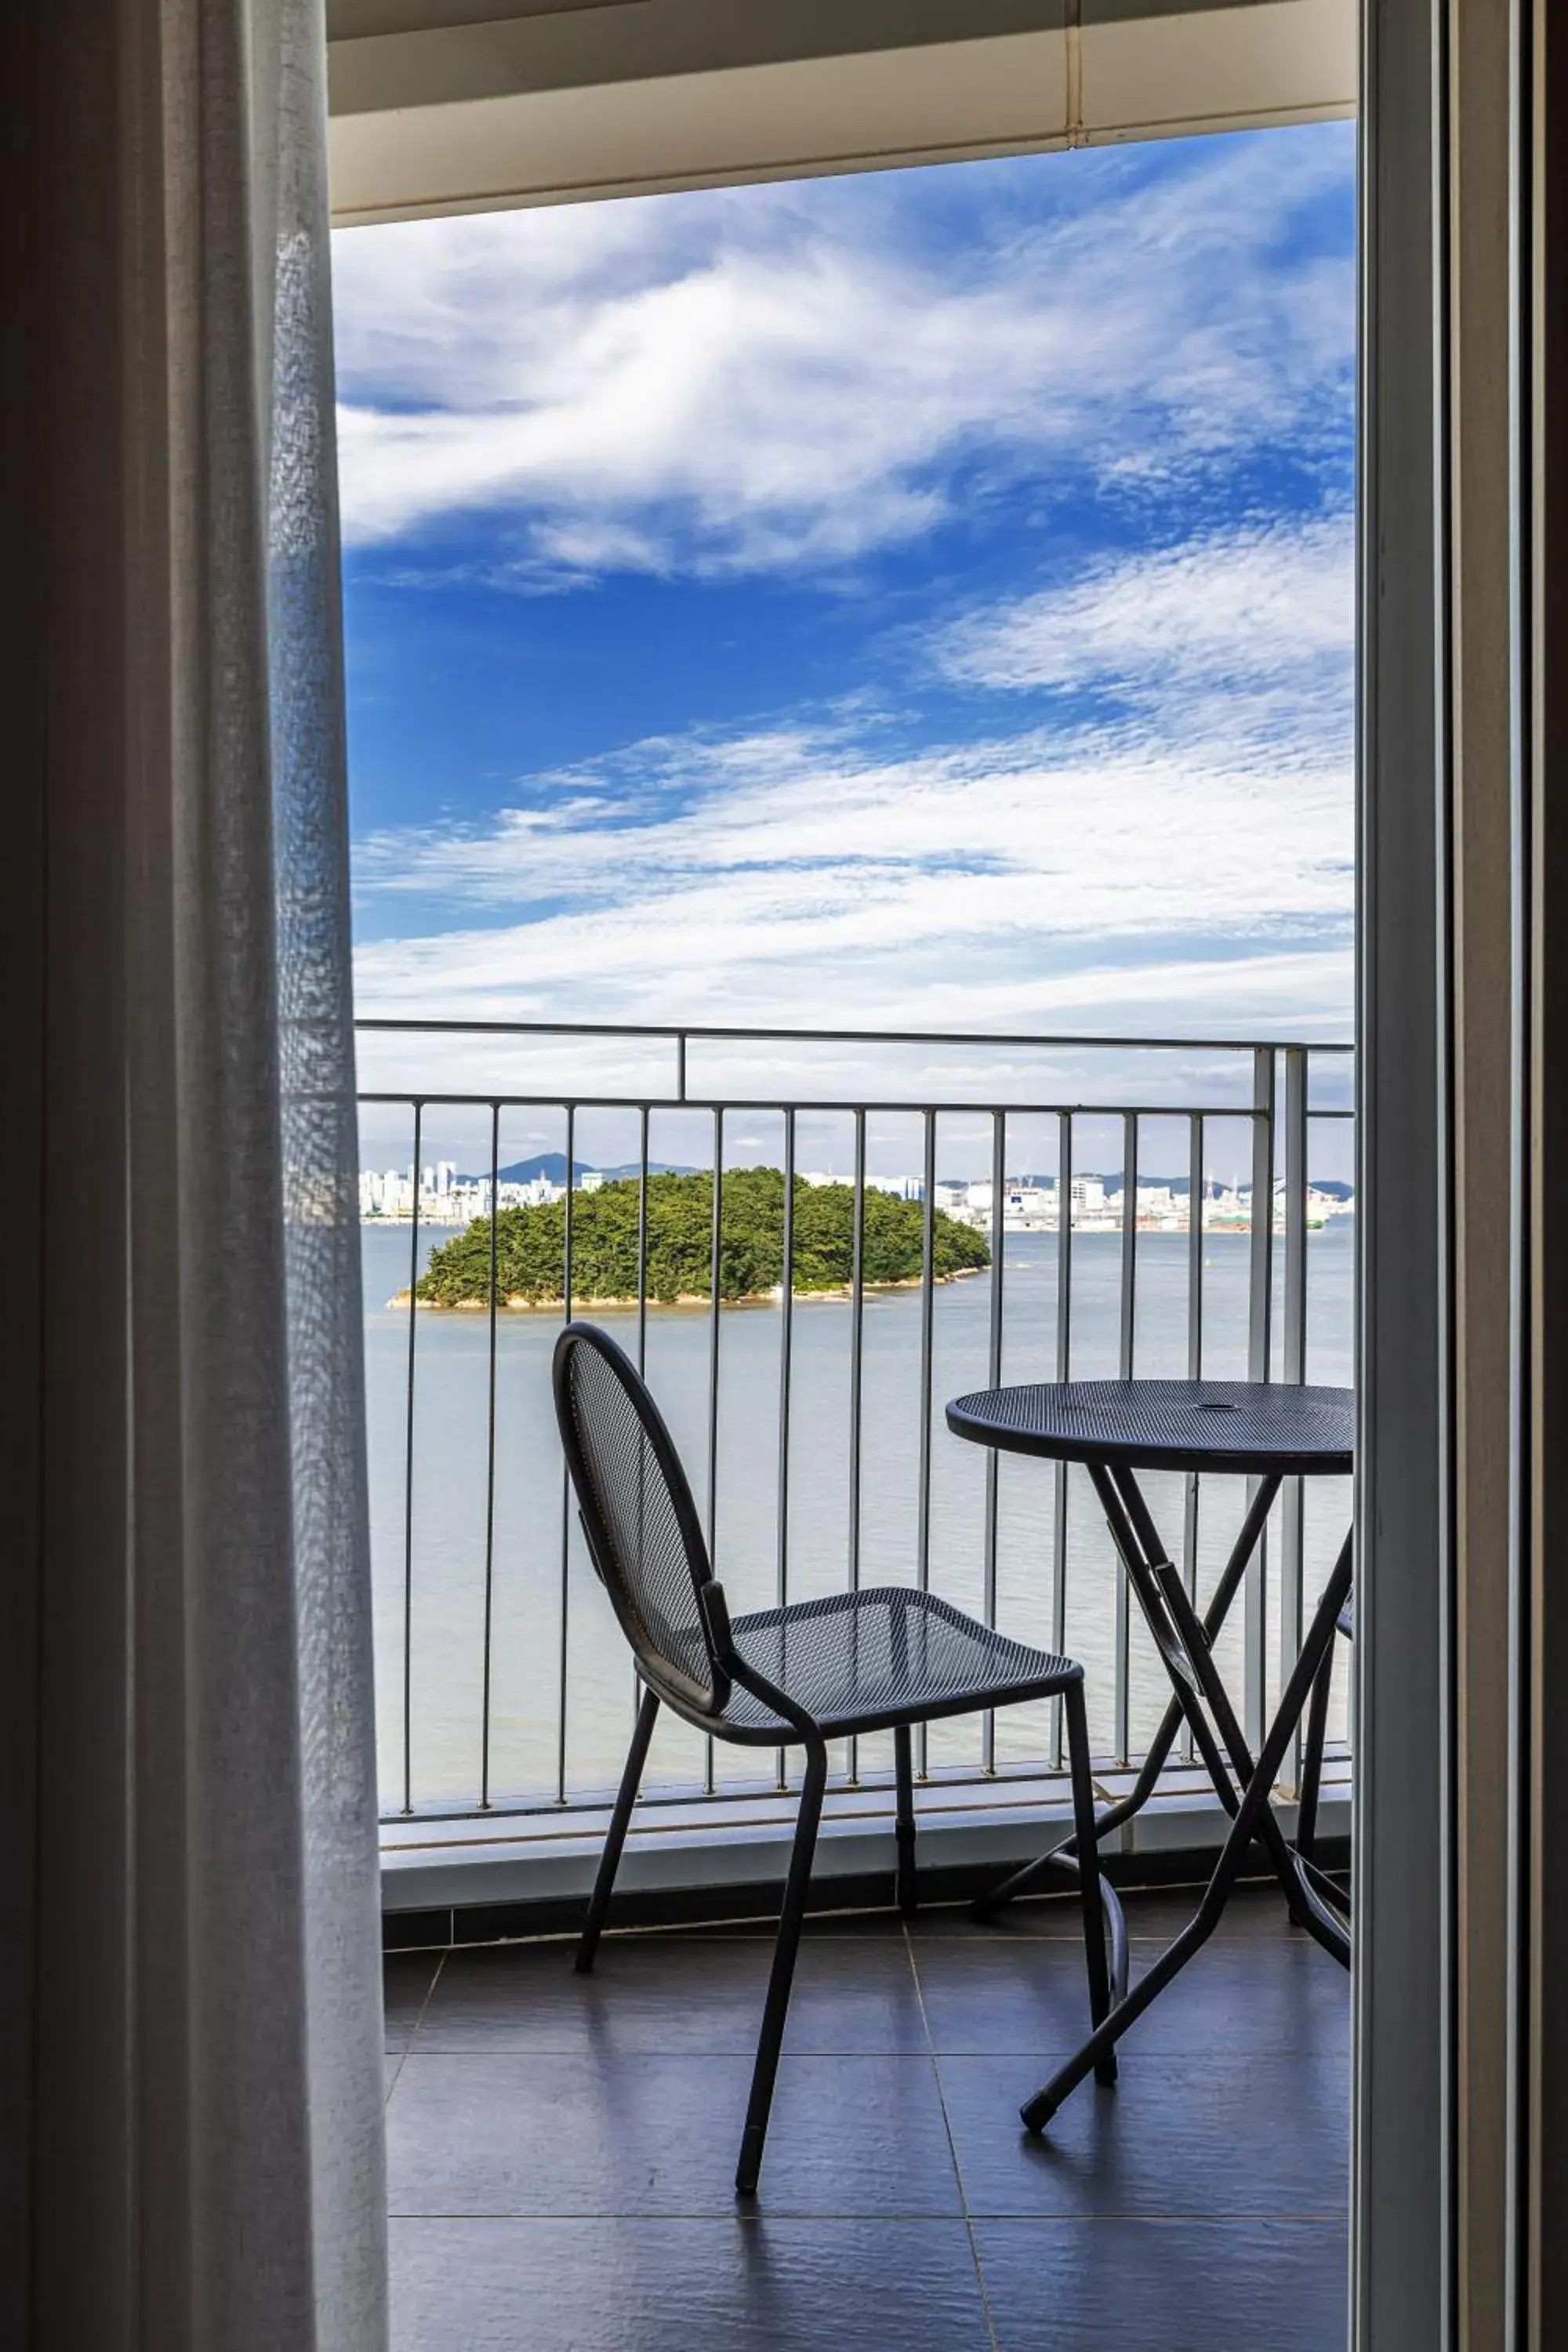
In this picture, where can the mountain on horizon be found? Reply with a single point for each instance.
(552, 1165)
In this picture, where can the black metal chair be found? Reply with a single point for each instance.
(818, 1669)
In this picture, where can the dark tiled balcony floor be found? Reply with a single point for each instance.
(562, 2149)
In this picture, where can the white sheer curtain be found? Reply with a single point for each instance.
(190, 2023)
(321, 1191)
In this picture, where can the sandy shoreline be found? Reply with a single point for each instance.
(688, 1299)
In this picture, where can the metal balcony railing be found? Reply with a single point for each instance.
(813, 1431)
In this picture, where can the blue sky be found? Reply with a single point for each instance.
(918, 599)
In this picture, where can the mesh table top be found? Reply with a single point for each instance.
(1250, 1426)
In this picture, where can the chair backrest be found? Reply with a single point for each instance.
(638, 1514)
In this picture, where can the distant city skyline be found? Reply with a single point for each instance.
(443, 1195)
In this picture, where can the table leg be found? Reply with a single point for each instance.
(1202, 1678)
(1254, 1803)
(1061, 1857)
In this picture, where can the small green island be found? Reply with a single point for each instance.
(529, 1244)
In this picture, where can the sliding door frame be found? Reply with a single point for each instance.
(1406, 2236)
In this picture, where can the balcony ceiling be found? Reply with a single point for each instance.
(453, 106)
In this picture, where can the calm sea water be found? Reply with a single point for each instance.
(540, 1607)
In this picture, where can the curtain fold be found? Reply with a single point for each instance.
(190, 2021)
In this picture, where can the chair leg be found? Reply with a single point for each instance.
(1088, 1846)
(771, 2039)
(619, 1820)
(904, 1768)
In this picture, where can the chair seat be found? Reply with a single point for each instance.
(862, 1662)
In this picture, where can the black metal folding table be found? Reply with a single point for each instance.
(1265, 1433)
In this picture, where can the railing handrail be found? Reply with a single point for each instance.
(710, 1031)
(406, 1098)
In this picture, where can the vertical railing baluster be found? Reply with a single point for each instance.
(928, 1304)
(715, 1282)
(565, 1485)
(642, 1243)
(1122, 1703)
(787, 1362)
(1259, 1332)
(1195, 1358)
(490, 1466)
(1293, 1367)
(994, 1380)
(715, 1279)
(1064, 1371)
(634, 1686)
(857, 1340)
(408, 1482)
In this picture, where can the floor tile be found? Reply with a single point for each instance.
(406, 1979)
(1257, 2134)
(817, 1925)
(1166, 2286)
(1278, 1992)
(497, 2132)
(702, 1994)
(684, 2286)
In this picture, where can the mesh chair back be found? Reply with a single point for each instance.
(636, 1507)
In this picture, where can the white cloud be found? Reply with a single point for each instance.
(1269, 604)
(814, 834)
(820, 873)
(950, 862)
(762, 377)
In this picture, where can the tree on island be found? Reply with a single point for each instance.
(531, 1243)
